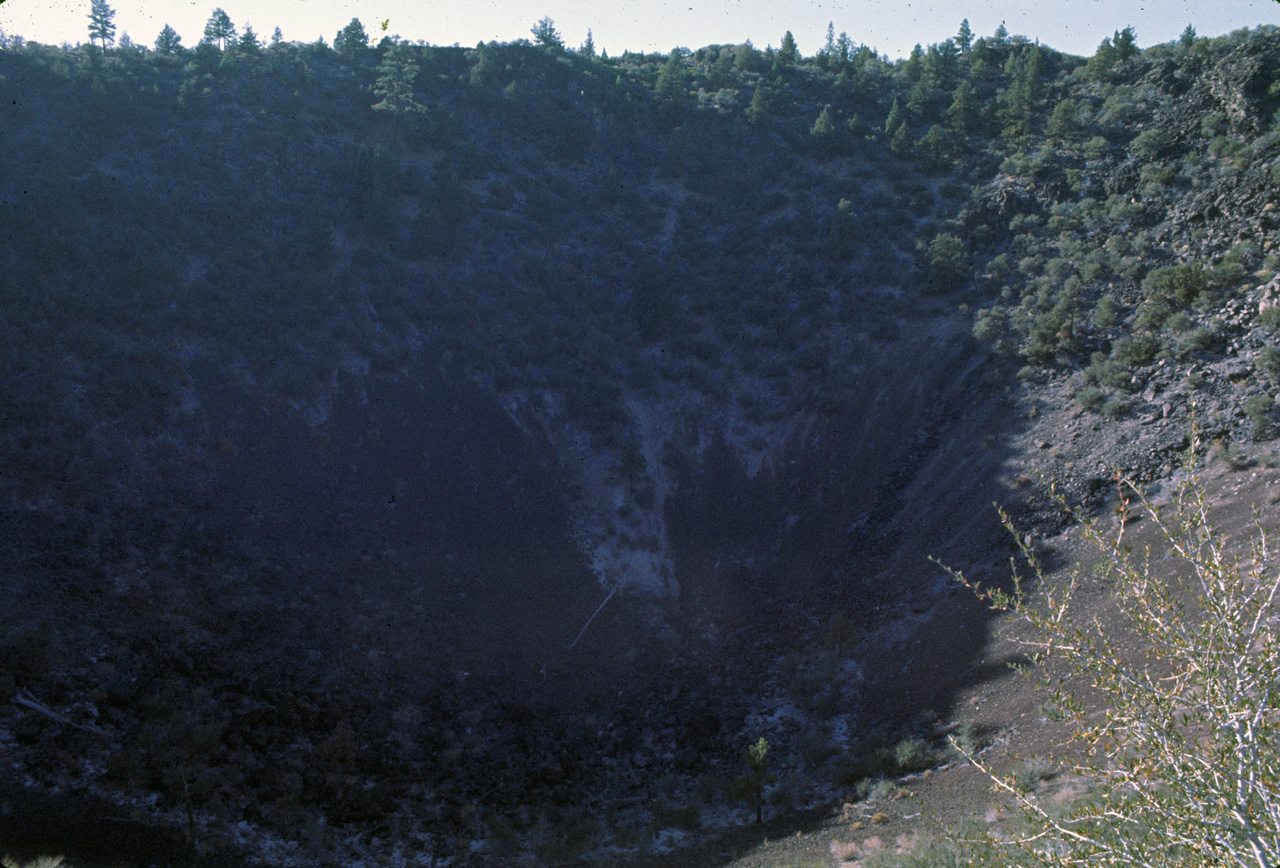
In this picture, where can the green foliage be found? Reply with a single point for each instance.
(101, 23)
(168, 43)
(1030, 772)
(788, 52)
(1016, 105)
(758, 109)
(1136, 350)
(1268, 362)
(545, 34)
(896, 118)
(913, 755)
(964, 111)
(1146, 145)
(351, 40)
(946, 263)
(248, 42)
(219, 30)
(823, 131)
(1175, 286)
(1112, 51)
(752, 784)
(1259, 410)
(1106, 313)
(900, 143)
(395, 85)
(669, 90)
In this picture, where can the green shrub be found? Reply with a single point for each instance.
(1136, 351)
(1258, 410)
(964, 740)
(1197, 340)
(1089, 397)
(1269, 362)
(1031, 771)
(1106, 313)
(1178, 286)
(1104, 371)
(913, 755)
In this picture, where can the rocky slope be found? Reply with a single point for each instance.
(477, 491)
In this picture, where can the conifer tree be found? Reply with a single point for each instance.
(248, 42)
(351, 39)
(963, 113)
(900, 144)
(396, 75)
(101, 23)
(545, 34)
(668, 92)
(219, 30)
(789, 53)
(823, 131)
(896, 118)
(826, 57)
(588, 48)
(758, 109)
(168, 42)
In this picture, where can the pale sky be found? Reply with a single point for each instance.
(890, 26)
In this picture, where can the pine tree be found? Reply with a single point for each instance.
(826, 57)
(168, 42)
(758, 110)
(896, 118)
(101, 23)
(351, 39)
(900, 144)
(669, 91)
(588, 48)
(545, 34)
(789, 53)
(1125, 43)
(1018, 102)
(964, 38)
(248, 42)
(396, 75)
(963, 113)
(219, 30)
(823, 131)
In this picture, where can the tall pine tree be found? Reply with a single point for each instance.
(219, 30)
(396, 75)
(101, 23)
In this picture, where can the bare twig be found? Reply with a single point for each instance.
(26, 700)
(592, 618)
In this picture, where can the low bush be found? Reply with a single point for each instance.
(1184, 738)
